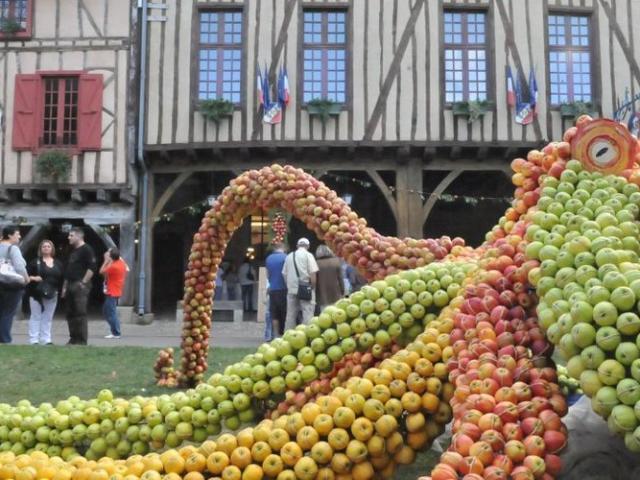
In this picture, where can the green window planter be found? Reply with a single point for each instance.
(575, 109)
(215, 109)
(324, 108)
(473, 110)
(54, 166)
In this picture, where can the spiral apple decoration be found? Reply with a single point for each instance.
(442, 332)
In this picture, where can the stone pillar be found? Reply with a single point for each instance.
(409, 201)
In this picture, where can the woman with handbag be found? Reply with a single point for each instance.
(46, 275)
(13, 278)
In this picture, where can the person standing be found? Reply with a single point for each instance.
(246, 276)
(356, 280)
(300, 273)
(114, 269)
(77, 286)
(277, 290)
(231, 280)
(11, 291)
(218, 295)
(330, 287)
(46, 276)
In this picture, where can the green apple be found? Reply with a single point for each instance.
(604, 400)
(610, 372)
(623, 298)
(330, 336)
(583, 334)
(605, 314)
(627, 352)
(592, 357)
(628, 391)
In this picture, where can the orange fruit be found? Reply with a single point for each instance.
(240, 457)
(216, 462)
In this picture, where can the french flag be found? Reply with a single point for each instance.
(511, 89)
(533, 91)
(259, 89)
(283, 88)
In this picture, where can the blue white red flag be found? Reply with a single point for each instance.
(272, 112)
(259, 86)
(511, 89)
(526, 111)
(283, 88)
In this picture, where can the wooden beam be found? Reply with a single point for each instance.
(104, 236)
(168, 193)
(384, 189)
(509, 153)
(393, 71)
(53, 195)
(439, 190)
(101, 195)
(429, 153)
(511, 44)
(33, 236)
(77, 196)
(126, 196)
(626, 49)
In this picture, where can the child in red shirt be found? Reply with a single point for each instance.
(114, 269)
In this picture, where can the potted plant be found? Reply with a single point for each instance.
(474, 109)
(215, 109)
(324, 108)
(574, 110)
(10, 26)
(54, 165)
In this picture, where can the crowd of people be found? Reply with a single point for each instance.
(45, 279)
(300, 285)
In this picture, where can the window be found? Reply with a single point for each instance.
(61, 110)
(15, 18)
(220, 55)
(60, 119)
(325, 55)
(569, 59)
(465, 56)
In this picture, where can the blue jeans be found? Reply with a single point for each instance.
(111, 314)
(268, 326)
(9, 304)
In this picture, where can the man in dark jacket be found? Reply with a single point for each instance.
(77, 286)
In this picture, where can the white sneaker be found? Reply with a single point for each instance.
(112, 336)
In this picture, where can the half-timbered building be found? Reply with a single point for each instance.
(67, 133)
(421, 132)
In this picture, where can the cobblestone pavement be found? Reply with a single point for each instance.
(163, 332)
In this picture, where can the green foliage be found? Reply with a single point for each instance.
(54, 165)
(473, 109)
(575, 109)
(9, 25)
(324, 108)
(215, 109)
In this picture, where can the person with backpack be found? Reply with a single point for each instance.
(13, 279)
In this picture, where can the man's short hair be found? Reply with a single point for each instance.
(114, 253)
(77, 231)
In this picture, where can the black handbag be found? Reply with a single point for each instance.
(43, 289)
(305, 290)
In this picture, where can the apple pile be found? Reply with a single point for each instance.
(327, 215)
(163, 368)
(585, 234)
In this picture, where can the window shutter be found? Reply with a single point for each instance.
(27, 97)
(90, 112)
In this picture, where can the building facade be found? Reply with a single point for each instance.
(423, 131)
(418, 128)
(67, 77)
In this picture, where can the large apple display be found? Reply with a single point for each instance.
(443, 333)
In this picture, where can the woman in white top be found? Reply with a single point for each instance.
(11, 293)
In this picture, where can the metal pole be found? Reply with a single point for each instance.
(144, 178)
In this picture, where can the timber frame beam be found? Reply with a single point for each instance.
(439, 190)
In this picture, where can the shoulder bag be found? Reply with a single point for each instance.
(8, 272)
(305, 290)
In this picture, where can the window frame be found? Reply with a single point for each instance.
(348, 49)
(60, 78)
(488, 46)
(27, 32)
(195, 60)
(592, 49)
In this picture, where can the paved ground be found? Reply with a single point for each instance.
(163, 332)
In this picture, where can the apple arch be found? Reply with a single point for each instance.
(322, 211)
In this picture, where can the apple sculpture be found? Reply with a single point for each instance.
(443, 332)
